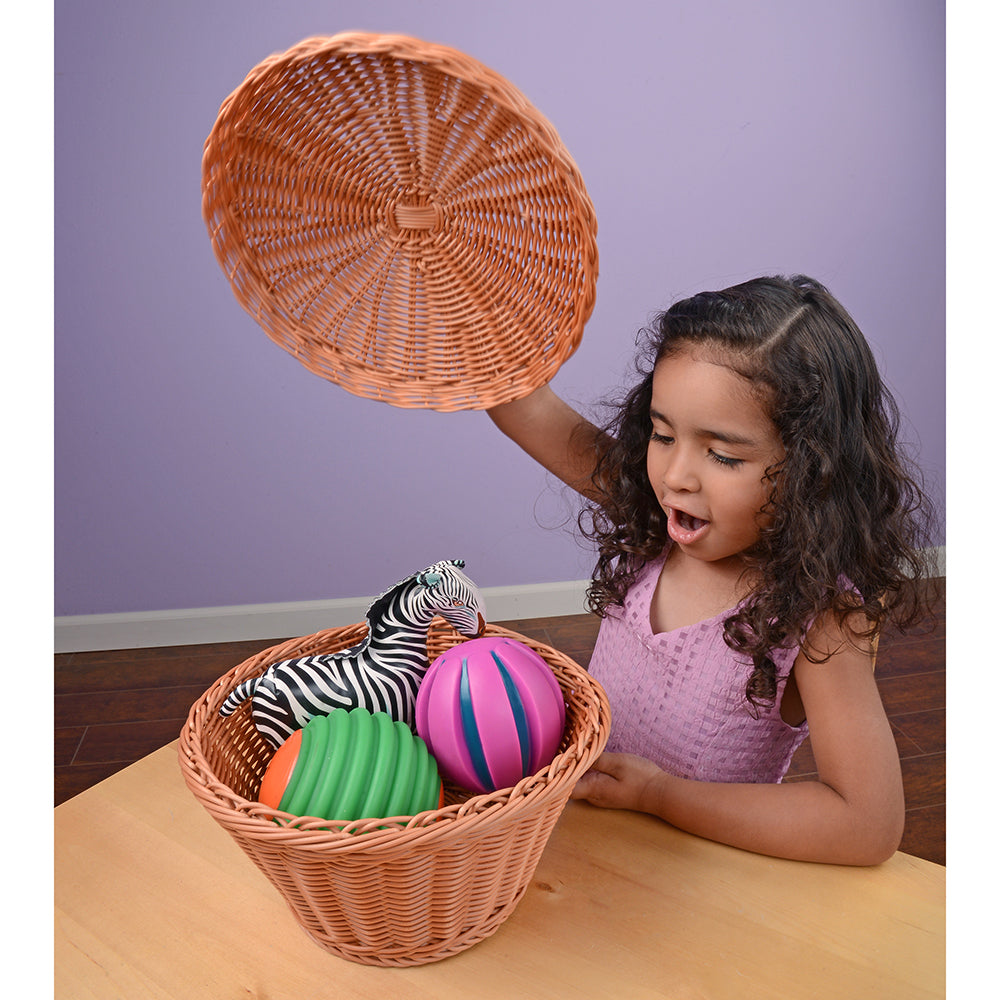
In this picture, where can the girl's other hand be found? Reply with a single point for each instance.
(617, 781)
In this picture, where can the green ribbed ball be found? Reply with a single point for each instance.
(352, 765)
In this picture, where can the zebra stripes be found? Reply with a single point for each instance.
(381, 673)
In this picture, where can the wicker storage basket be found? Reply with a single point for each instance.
(403, 893)
(402, 220)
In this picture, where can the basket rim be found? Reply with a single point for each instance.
(408, 48)
(477, 813)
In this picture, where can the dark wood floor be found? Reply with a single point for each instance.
(112, 708)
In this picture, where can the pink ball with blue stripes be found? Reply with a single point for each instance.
(491, 712)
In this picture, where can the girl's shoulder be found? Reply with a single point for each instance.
(841, 628)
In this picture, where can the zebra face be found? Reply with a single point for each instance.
(451, 594)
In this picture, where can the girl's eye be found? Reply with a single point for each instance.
(725, 460)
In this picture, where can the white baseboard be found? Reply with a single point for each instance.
(140, 629)
(133, 630)
(936, 558)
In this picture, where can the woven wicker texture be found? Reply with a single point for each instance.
(399, 893)
(402, 220)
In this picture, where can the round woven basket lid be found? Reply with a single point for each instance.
(402, 220)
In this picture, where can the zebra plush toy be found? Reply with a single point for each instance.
(381, 673)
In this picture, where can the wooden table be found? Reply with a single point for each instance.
(154, 900)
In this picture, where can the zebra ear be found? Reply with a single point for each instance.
(460, 563)
(429, 579)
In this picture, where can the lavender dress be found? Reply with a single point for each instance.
(677, 698)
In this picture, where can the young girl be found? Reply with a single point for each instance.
(756, 526)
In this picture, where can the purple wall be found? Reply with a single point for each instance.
(198, 465)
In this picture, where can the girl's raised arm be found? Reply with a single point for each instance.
(555, 435)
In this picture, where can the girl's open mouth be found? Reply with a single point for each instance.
(685, 528)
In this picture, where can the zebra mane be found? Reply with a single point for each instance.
(376, 610)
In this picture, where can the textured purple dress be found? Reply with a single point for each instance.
(677, 698)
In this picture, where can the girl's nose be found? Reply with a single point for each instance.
(679, 474)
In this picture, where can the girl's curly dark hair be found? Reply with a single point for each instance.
(844, 502)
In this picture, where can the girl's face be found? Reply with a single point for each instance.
(711, 445)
